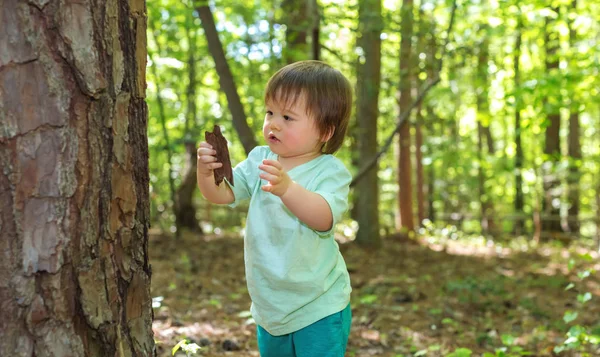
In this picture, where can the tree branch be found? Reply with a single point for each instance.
(413, 105)
(389, 140)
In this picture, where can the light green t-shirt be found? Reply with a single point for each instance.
(295, 275)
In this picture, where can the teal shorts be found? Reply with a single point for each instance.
(325, 338)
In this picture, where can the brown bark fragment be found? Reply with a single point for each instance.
(219, 143)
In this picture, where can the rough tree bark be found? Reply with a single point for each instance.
(74, 207)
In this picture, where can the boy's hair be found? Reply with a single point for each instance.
(328, 96)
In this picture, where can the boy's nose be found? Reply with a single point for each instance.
(273, 125)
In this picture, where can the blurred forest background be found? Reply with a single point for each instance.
(475, 144)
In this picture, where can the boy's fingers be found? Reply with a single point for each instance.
(274, 163)
(206, 145)
(207, 159)
(215, 165)
(271, 178)
(206, 151)
(266, 188)
(269, 169)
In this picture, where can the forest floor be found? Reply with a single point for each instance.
(410, 298)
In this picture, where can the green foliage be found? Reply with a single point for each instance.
(578, 336)
(253, 37)
(190, 349)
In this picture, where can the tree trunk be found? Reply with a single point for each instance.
(298, 24)
(316, 30)
(420, 182)
(185, 212)
(74, 200)
(163, 124)
(574, 141)
(404, 166)
(226, 81)
(367, 88)
(519, 201)
(483, 115)
(551, 207)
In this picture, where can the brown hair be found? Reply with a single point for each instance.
(327, 92)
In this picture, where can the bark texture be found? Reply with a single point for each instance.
(74, 208)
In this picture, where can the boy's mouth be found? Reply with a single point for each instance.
(273, 138)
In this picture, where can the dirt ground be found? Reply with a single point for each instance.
(410, 298)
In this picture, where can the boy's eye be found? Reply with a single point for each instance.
(286, 117)
(269, 112)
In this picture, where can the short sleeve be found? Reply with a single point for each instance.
(333, 185)
(245, 175)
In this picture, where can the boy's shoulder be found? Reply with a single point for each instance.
(330, 163)
(259, 153)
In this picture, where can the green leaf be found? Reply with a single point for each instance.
(569, 316)
(559, 349)
(191, 348)
(508, 340)
(583, 274)
(177, 347)
(435, 347)
(570, 286)
(584, 298)
(420, 353)
(461, 352)
(587, 257)
(571, 264)
(368, 299)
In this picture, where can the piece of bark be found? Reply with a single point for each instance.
(219, 143)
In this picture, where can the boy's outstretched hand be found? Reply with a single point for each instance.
(279, 181)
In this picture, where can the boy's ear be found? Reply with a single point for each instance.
(325, 138)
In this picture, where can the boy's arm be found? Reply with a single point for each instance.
(216, 194)
(205, 177)
(310, 207)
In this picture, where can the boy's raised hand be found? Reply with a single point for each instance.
(207, 159)
(279, 181)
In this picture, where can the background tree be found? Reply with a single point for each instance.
(405, 166)
(367, 111)
(552, 104)
(574, 143)
(226, 80)
(74, 212)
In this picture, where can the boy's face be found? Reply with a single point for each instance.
(291, 132)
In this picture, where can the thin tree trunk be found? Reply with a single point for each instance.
(163, 124)
(298, 26)
(420, 183)
(316, 30)
(74, 184)
(574, 143)
(185, 213)
(487, 209)
(519, 200)
(551, 207)
(226, 81)
(404, 165)
(367, 88)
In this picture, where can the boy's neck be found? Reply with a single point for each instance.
(290, 162)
